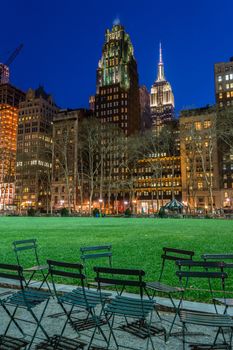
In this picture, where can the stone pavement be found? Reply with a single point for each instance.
(53, 325)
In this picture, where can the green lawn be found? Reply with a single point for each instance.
(137, 243)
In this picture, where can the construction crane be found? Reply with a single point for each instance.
(4, 67)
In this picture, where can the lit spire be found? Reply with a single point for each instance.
(160, 53)
(160, 75)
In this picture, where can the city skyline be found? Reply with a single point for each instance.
(62, 50)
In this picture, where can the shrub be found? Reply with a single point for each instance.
(162, 213)
(64, 212)
(31, 212)
(128, 212)
(96, 212)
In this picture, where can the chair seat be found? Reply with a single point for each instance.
(225, 301)
(161, 287)
(131, 307)
(36, 268)
(89, 299)
(28, 298)
(206, 319)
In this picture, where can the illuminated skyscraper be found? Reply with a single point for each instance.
(117, 90)
(9, 101)
(162, 98)
(34, 150)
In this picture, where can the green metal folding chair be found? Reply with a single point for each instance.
(102, 253)
(139, 309)
(26, 299)
(226, 302)
(158, 287)
(72, 303)
(202, 318)
(25, 251)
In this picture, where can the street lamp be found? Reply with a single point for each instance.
(100, 202)
(134, 205)
(125, 204)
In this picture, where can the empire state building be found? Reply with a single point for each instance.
(161, 98)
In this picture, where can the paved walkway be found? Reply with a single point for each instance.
(54, 324)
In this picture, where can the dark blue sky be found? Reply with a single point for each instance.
(63, 42)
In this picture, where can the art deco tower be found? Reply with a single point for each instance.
(162, 98)
(117, 90)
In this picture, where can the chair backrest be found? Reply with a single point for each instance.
(173, 254)
(120, 277)
(204, 271)
(28, 246)
(65, 270)
(15, 272)
(222, 257)
(101, 252)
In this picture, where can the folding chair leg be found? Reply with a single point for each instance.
(45, 281)
(30, 278)
(68, 314)
(65, 324)
(183, 334)
(92, 312)
(177, 309)
(149, 334)
(111, 330)
(12, 320)
(38, 323)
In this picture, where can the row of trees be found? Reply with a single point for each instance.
(96, 161)
(105, 162)
(203, 148)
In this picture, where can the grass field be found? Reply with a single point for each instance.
(137, 243)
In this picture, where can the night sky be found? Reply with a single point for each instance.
(63, 42)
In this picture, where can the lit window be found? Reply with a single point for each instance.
(219, 78)
(227, 76)
(197, 125)
(207, 124)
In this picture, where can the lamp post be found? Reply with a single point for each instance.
(125, 204)
(134, 205)
(100, 203)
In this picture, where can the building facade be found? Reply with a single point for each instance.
(223, 76)
(65, 186)
(10, 98)
(200, 159)
(117, 103)
(146, 120)
(117, 90)
(158, 178)
(161, 99)
(34, 151)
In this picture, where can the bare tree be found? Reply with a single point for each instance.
(63, 155)
(89, 140)
(224, 125)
